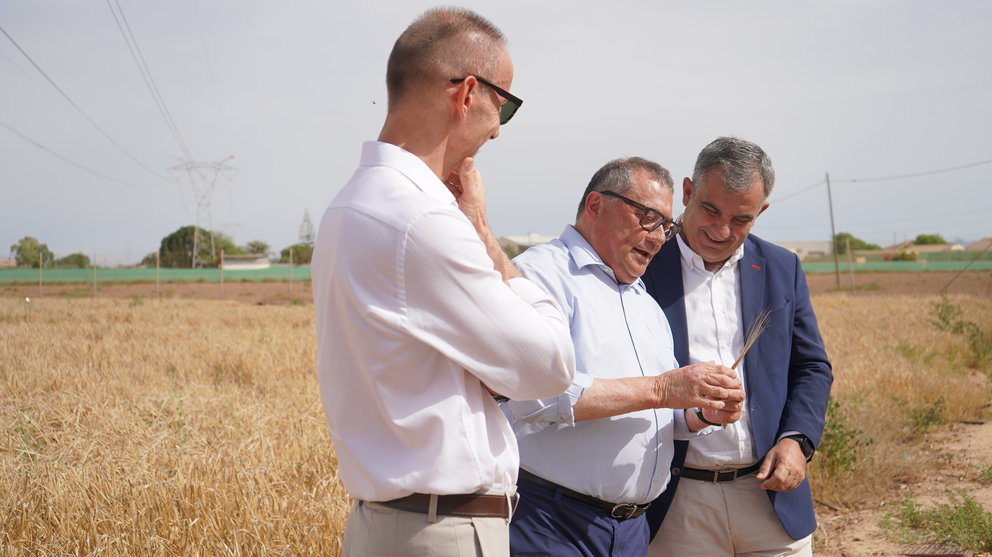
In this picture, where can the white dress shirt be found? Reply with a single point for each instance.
(618, 331)
(715, 331)
(412, 323)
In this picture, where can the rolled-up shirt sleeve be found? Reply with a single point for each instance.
(552, 411)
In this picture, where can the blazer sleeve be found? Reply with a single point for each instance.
(810, 372)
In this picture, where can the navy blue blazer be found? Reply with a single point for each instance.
(787, 373)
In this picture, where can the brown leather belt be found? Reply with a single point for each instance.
(496, 506)
(718, 475)
(619, 511)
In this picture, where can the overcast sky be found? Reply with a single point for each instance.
(861, 90)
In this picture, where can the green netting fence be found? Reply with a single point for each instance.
(302, 273)
(76, 276)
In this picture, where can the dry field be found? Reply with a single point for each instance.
(137, 426)
(163, 428)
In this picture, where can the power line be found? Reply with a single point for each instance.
(73, 163)
(76, 106)
(146, 75)
(804, 190)
(916, 174)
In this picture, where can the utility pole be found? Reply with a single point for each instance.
(202, 178)
(833, 231)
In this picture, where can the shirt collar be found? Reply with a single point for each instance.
(693, 261)
(378, 153)
(585, 256)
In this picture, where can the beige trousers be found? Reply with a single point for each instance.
(722, 519)
(377, 531)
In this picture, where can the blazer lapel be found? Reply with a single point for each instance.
(668, 291)
(754, 278)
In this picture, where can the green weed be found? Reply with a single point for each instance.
(841, 446)
(962, 523)
(947, 317)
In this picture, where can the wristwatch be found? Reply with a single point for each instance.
(804, 444)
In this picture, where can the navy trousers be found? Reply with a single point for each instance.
(548, 523)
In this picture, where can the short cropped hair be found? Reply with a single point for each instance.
(740, 160)
(443, 43)
(617, 176)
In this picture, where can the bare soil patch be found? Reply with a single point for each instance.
(966, 449)
(255, 293)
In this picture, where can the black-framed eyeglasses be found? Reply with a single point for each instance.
(511, 105)
(651, 219)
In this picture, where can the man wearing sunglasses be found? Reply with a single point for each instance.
(593, 458)
(422, 321)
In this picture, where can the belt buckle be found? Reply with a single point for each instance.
(623, 511)
(731, 473)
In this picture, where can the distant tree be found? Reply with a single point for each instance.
(904, 256)
(224, 242)
(29, 252)
(257, 247)
(856, 244)
(74, 261)
(176, 249)
(302, 253)
(306, 229)
(929, 240)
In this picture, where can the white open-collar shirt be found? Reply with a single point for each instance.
(618, 331)
(412, 322)
(714, 320)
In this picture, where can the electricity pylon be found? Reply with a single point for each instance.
(202, 178)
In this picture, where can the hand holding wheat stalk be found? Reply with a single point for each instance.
(758, 326)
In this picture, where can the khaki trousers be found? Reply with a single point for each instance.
(377, 531)
(722, 519)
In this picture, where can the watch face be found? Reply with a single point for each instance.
(805, 445)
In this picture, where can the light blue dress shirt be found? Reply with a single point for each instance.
(618, 331)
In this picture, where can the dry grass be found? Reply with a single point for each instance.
(194, 427)
(172, 428)
(896, 377)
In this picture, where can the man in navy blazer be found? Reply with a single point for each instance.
(742, 490)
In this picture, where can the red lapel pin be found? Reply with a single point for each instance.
(756, 267)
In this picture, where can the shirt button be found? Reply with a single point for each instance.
(676, 470)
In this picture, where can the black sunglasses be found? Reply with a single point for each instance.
(651, 219)
(511, 105)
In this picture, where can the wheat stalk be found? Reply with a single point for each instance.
(758, 326)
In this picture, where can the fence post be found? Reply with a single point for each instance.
(850, 264)
(41, 271)
(94, 275)
(221, 266)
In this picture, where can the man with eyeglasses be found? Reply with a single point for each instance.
(743, 489)
(422, 320)
(593, 458)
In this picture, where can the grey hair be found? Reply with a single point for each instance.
(443, 43)
(740, 160)
(617, 176)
